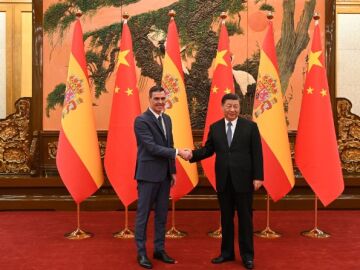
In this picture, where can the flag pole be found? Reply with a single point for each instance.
(174, 233)
(78, 234)
(125, 233)
(267, 232)
(316, 232)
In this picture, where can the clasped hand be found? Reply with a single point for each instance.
(185, 154)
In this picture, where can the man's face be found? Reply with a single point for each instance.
(157, 101)
(231, 109)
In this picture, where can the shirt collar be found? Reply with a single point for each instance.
(233, 122)
(155, 114)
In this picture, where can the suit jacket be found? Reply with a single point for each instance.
(243, 160)
(155, 154)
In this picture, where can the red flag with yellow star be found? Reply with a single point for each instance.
(120, 155)
(222, 83)
(316, 150)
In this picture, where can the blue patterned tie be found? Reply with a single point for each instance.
(161, 125)
(229, 133)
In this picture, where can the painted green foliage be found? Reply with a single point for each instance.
(194, 20)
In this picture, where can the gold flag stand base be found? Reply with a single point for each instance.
(315, 233)
(267, 233)
(174, 233)
(78, 234)
(124, 234)
(216, 234)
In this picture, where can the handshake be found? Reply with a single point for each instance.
(185, 153)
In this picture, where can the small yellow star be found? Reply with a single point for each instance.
(227, 91)
(323, 92)
(215, 89)
(122, 59)
(219, 60)
(314, 60)
(117, 89)
(310, 90)
(129, 91)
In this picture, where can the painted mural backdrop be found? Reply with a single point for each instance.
(198, 23)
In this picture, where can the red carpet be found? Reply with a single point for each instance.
(34, 240)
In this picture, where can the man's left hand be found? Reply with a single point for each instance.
(173, 180)
(257, 184)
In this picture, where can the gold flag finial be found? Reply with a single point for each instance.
(316, 16)
(78, 12)
(223, 15)
(126, 15)
(172, 13)
(270, 15)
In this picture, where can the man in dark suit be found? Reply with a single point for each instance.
(239, 171)
(155, 174)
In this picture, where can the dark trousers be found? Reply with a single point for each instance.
(150, 193)
(230, 200)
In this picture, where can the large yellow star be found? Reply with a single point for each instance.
(314, 59)
(219, 60)
(310, 90)
(122, 59)
(215, 89)
(129, 91)
(323, 92)
(227, 91)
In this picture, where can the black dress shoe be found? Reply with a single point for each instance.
(222, 259)
(249, 264)
(162, 256)
(144, 261)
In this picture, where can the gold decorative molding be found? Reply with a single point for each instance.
(15, 141)
(52, 149)
(348, 126)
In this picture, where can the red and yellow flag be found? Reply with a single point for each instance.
(222, 83)
(120, 156)
(316, 150)
(268, 113)
(177, 108)
(78, 155)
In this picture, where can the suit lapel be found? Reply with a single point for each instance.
(236, 131)
(222, 132)
(156, 122)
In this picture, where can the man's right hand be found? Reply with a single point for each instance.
(186, 154)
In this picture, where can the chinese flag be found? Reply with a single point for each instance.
(78, 155)
(269, 115)
(222, 83)
(316, 151)
(177, 108)
(120, 155)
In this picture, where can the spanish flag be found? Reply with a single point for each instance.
(78, 155)
(268, 113)
(120, 156)
(316, 149)
(222, 83)
(177, 108)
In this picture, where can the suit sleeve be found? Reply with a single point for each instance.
(145, 136)
(257, 156)
(207, 150)
(173, 166)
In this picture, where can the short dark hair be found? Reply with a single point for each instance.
(229, 96)
(156, 88)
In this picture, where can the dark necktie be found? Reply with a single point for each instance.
(229, 133)
(161, 125)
